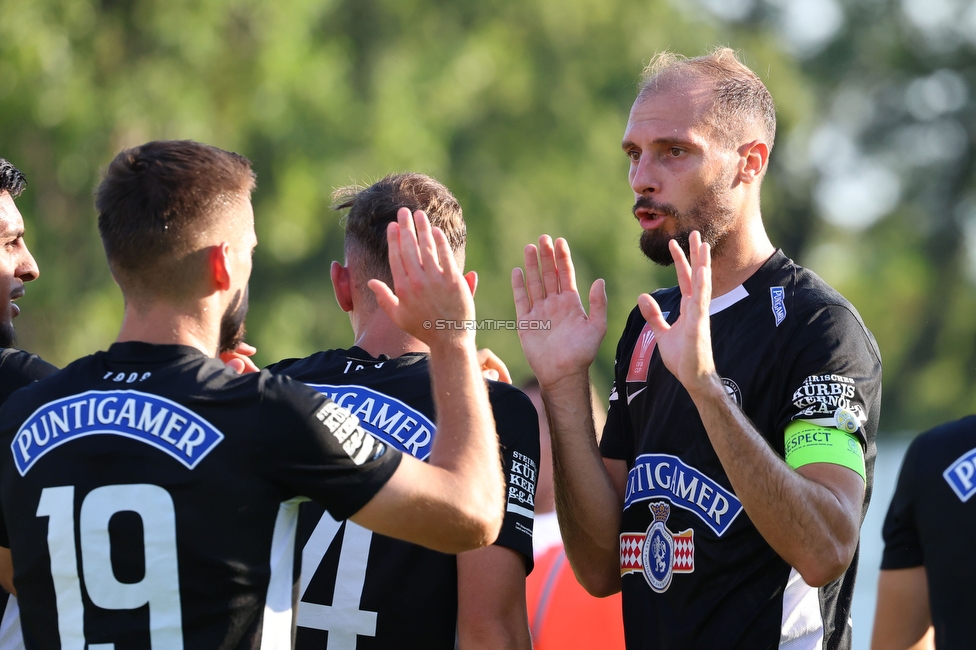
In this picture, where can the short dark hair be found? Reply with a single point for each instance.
(372, 208)
(156, 203)
(741, 98)
(12, 179)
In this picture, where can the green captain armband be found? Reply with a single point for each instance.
(808, 443)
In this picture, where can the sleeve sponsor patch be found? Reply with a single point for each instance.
(148, 418)
(344, 426)
(808, 443)
(959, 475)
(521, 486)
(819, 398)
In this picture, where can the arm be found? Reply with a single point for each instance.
(810, 516)
(491, 600)
(455, 503)
(902, 620)
(589, 498)
(7, 571)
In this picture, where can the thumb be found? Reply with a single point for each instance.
(385, 297)
(598, 301)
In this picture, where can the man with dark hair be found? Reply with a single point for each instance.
(17, 368)
(151, 495)
(726, 494)
(363, 591)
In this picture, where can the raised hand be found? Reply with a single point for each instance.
(563, 340)
(686, 346)
(428, 287)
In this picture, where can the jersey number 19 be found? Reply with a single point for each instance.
(159, 587)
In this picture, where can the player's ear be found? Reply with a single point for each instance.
(341, 284)
(753, 157)
(218, 265)
(472, 279)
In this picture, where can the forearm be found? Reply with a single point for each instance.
(491, 600)
(588, 503)
(813, 528)
(466, 444)
(902, 619)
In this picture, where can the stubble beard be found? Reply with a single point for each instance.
(712, 216)
(8, 336)
(232, 328)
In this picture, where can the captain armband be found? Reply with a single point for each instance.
(808, 443)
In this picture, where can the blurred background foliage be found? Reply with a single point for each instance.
(519, 107)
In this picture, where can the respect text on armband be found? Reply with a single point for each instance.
(662, 476)
(164, 424)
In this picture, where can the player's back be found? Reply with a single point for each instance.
(365, 591)
(150, 497)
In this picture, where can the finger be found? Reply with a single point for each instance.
(564, 266)
(547, 261)
(533, 278)
(490, 362)
(598, 303)
(425, 242)
(490, 373)
(246, 349)
(444, 252)
(385, 298)
(521, 296)
(681, 268)
(694, 252)
(397, 270)
(236, 365)
(651, 312)
(409, 248)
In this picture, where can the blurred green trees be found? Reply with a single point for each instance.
(519, 107)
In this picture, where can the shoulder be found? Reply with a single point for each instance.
(297, 366)
(945, 441)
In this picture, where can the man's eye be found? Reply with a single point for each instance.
(675, 151)
(633, 155)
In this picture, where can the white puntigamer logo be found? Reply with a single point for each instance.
(151, 419)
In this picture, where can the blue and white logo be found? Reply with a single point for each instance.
(959, 475)
(386, 418)
(662, 476)
(155, 420)
(777, 295)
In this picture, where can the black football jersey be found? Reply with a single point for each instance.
(931, 522)
(150, 498)
(17, 369)
(695, 571)
(364, 591)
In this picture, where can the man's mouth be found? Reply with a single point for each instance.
(15, 295)
(649, 220)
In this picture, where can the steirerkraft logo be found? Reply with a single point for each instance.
(488, 324)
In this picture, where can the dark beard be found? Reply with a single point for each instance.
(708, 216)
(8, 337)
(232, 323)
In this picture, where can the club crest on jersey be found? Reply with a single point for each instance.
(640, 359)
(662, 476)
(658, 553)
(777, 297)
(151, 419)
(959, 475)
(386, 418)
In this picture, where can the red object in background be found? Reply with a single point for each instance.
(562, 616)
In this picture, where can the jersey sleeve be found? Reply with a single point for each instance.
(19, 368)
(902, 547)
(835, 376)
(319, 450)
(517, 424)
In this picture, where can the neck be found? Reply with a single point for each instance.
(166, 324)
(377, 334)
(740, 255)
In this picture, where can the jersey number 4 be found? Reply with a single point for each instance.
(159, 587)
(343, 619)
